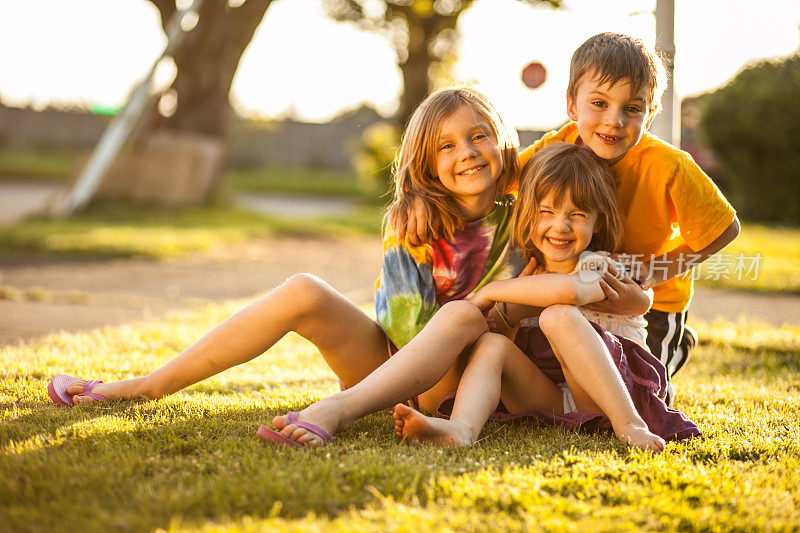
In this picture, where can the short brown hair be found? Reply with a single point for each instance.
(415, 164)
(568, 171)
(611, 57)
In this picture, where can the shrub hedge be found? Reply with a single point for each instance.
(752, 124)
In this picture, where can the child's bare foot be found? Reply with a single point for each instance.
(326, 414)
(412, 425)
(640, 437)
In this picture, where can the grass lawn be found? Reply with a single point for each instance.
(192, 461)
(778, 268)
(297, 180)
(128, 231)
(59, 165)
(52, 165)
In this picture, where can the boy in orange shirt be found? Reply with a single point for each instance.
(674, 216)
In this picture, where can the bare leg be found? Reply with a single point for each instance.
(352, 344)
(592, 376)
(497, 369)
(424, 364)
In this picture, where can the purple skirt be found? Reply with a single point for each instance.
(643, 374)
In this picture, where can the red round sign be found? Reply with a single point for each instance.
(534, 75)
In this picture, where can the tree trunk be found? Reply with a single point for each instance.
(207, 62)
(423, 30)
(415, 69)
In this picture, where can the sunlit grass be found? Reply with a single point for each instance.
(125, 230)
(778, 268)
(192, 461)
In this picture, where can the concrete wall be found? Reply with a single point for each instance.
(28, 129)
(300, 144)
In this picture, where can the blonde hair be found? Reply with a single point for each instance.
(571, 172)
(612, 57)
(415, 165)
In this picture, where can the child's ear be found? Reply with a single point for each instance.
(571, 109)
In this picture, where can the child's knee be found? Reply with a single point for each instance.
(491, 346)
(306, 291)
(466, 316)
(556, 317)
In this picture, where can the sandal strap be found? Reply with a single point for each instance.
(291, 417)
(89, 386)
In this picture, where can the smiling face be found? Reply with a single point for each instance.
(562, 231)
(611, 118)
(468, 161)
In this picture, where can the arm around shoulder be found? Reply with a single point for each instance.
(543, 290)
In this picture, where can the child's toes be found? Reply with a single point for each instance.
(279, 422)
(78, 399)
(76, 388)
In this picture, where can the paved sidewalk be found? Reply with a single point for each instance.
(77, 294)
(21, 199)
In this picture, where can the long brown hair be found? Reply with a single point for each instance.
(571, 172)
(415, 164)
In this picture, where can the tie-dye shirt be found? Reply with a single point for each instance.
(416, 280)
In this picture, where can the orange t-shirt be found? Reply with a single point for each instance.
(665, 200)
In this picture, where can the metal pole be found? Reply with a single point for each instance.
(121, 126)
(667, 124)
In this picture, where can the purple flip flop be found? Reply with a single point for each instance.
(279, 438)
(58, 386)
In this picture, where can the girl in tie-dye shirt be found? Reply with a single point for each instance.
(417, 280)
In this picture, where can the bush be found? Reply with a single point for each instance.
(752, 125)
(373, 157)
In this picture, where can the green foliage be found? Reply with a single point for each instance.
(752, 125)
(374, 155)
(192, 461)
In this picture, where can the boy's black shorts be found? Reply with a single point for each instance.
(664, 334)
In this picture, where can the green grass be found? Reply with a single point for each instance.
(55, 165)
(59, 165)
(192, 461)
(127, 231)
(319, 182)
(779, 268)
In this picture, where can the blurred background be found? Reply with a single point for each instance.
(149, 146)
